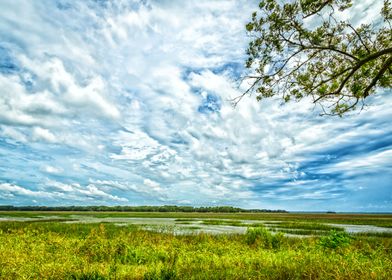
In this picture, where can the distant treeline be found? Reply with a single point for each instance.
(166, 208)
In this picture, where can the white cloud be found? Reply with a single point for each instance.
(11, 189)
(93, 191)
(43, 134)
(372, 162)
(77, 192)
(52, 169)
(67, 91)
(13, 133)
(147, 187)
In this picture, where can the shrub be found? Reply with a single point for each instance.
(264, 237)
(165, 273)
(87, 276)
(335, 239)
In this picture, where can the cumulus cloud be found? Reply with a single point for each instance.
(13, 190)
(52, 169)
(75, 191)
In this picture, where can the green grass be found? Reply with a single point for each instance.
(104, 251)
(300, 231)
(374, 234)
(185, 220)
(304, 226)
(184, 223)
(193, 227)
(224, 223)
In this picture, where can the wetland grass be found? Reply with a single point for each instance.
(374, 234)
(300, 232)
(304, 226)
(224, 223)
(383, 220)
(104, 251)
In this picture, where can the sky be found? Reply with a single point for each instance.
(128, 103)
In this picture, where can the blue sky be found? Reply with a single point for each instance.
(126, 103)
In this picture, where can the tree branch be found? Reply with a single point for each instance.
(359, 65)
(359, 37)
(318, 9)
(384, 68)
(328, 48)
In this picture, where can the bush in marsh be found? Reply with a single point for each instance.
(335, 239)
(262, 236)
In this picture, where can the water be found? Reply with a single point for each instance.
(184, 226)
(361, 228)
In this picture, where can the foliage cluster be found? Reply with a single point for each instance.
(335, 239)
(263, 237)
(165, 208)
(305, 48)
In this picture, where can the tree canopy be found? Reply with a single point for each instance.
(303, 48)
(164, 208)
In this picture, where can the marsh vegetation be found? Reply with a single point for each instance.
(43, 247)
